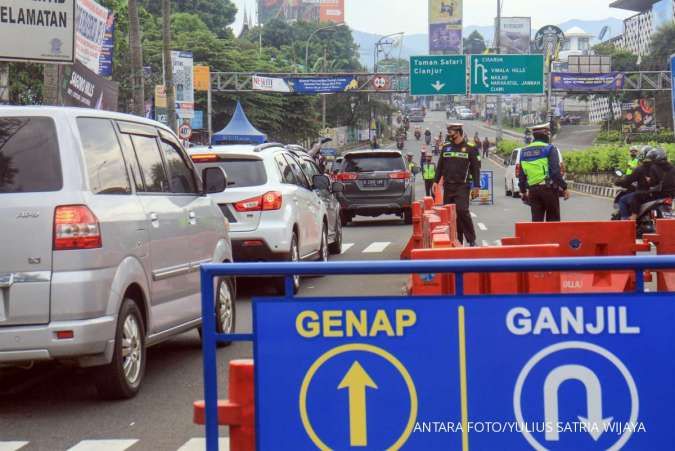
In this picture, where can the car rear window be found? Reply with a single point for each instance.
(29, 155)
(241, 173)
(373, 163)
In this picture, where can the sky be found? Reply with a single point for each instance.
(411, 16)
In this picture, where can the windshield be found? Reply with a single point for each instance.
(373, 163)
(241, 173)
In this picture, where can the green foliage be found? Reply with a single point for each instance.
(615, 137)
(506, 146)
(622, 60)
(663, 45)
(475, 43)
(218, 15)
(603, 158)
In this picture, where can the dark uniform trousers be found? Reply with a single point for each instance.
(458, 194)
(544, 203)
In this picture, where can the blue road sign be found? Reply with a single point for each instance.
(541, 372)
(486, 189)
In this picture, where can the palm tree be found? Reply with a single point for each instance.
(137, 82)
(168, 64)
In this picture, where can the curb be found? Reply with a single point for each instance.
(595, 190)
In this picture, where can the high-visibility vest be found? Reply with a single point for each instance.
(429, 171)
(534, 162)
(632, 165)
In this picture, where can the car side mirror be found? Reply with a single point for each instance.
(321, 182)
(337, 187)
(214, 180)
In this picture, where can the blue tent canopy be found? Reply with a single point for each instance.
(239, 131)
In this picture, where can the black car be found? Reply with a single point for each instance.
(375, 183)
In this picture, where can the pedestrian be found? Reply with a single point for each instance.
(374, 145)
(478, 143)
(486, 147)
(540, 178)
(633, 162)
(458, 164)
(428, 174)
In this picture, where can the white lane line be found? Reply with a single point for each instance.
(346, 247)
(485, 243)
(199, 444)
(474, 215)
(377, 247)
(482, 226)
(498, 242)
(103, 445)
(12, 446)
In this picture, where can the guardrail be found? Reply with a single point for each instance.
(456, 267)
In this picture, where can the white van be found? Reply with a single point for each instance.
(512, 171)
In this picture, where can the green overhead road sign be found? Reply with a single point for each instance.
(507, 74)
(437, 75)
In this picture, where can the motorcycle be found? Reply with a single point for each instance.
(427, 139)
(400, 142)
(649, 212)
(418, 135)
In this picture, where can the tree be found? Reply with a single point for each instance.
(218, 15)
(474, 44)
(622, 60)
(138, 84)
(663, 46)
(168, 65)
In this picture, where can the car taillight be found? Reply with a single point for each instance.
(266, 202)
(517, 170)
(400, 175)
(346, 176)
(203, 158)
(75, 227)
(668, 201)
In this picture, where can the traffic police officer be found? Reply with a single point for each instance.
(428, 173)
(540, 179)
(459, 163)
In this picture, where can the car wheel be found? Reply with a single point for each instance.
(335, 248)
(407, 216)
(323, 250)
(507, 192)
(121, 378)
(225, 310)
(293, 256)
(514, 193)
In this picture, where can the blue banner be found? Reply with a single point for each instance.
(563, 81)
(321, 85)
(105, 61)
(197, 122)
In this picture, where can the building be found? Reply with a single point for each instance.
(639, 28)
(577, 42)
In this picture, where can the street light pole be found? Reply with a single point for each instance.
(309, 39)
(498, 40)
(376, 55)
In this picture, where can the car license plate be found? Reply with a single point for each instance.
(373, 182)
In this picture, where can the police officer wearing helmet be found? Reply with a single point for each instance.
(634, 161)
(540, 179)
(459, 163)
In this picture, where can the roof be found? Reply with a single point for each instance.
(633, 5)
(239, 130)
(233, 148)
(577, 31)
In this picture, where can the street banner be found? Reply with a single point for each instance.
(197, 122)
(105, 61)
(445, 27)
(161, 109)
(202, 78)
(562, 81)
(38, 32)
(321, 85)
(84, 88)
(332, 11)
(183, 82)
(515, 34)
(91, 21)
(289, 10)
(270, 84)
(638, 115)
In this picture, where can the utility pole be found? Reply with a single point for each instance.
(323, 96)
(498, 40)
(168, 66)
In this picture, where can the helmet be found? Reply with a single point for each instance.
(634, 149)
(642, 156)
(657, 155)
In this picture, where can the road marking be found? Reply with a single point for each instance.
(12, 446)
(199, 444)
(376, 248)
(474, 215)
(103, 445)
(482, 226)
(346, 247)
(485, 243)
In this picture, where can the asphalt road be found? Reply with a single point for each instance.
(55, 408)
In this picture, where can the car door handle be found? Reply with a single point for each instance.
(154, 219)
(192, 218)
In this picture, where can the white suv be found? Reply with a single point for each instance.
(512, 171)
(274, 210)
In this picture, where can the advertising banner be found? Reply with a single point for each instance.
(332, 11)
(161, 113)
(562, 81)
(515, 34)
(183, 82)
(638, 116)
(84, 88)
(105, 61)
(323, 85)
(202, 78)
(39, 32)
(445, 27)
(270, 84)
(91, 21)
(289, 10)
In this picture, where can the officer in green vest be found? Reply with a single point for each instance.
(634, 161)
(428, 173)
(540, 179)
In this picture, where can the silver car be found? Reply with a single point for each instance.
(105, 223)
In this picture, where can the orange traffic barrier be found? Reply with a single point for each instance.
(239, 410)
(585, 239)
(438, 194)
(487, 283)
(664, 240)
(415, 241)
(433, 226)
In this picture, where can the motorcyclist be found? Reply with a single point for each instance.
(661, 174)
(634, 160)
(418, 133)
(637, 181)
(427, 136)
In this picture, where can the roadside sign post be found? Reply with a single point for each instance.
(507, 74)
(487, 195)
(437, 75)
(672, 83)
(184, 132)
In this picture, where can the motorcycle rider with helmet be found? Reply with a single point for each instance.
(637, 182)
(661, 174)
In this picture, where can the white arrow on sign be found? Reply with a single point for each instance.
(595, 423)
(438, 86)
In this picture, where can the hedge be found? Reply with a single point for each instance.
(506, 147)
(615, 137)
(603, 158)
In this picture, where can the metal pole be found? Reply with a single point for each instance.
(209, 112)
(4, 83)
(498, 31)
(323, 97)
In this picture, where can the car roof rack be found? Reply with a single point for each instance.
(266, 146)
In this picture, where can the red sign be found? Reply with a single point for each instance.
(381, 83)
(184, 131)
(332, 11)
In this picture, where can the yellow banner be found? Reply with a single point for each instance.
(202, 78)
(445, 12)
